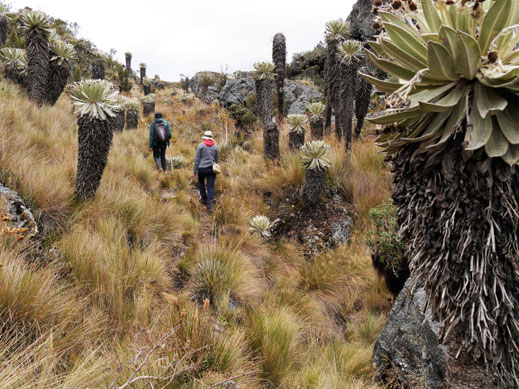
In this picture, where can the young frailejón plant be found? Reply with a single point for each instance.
(452, 131)
(60, 69)
(279, 57)
(14, 62)
(176, 162)
(131, 106)
(350, 52)
(261, 225)
(336, 32)
(36, 25)
(296, 131)
(148, 104)
(315, 116)
(313, 157)
(96, 104)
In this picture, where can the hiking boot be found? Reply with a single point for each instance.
(202, 200)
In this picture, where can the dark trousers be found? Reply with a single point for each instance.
(206, 173)
(159, 155)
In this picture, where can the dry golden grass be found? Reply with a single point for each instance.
(144, 258)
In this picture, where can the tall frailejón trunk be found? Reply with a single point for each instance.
(328, 118)
(132, 119)
(346, 99)
(148, 108)
(314, 186)
(119, 120)
(264, 103)
(316, 128)
(4, 28)
(296, 140)
(58, 78)
(271, 141)
(363, 91)
(38, 64)
(328, 110)
(333, 79)
(98, 70)
(458, 215)
(94, 142)
(147, 89)
(279, 57)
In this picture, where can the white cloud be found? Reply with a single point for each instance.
(183, 37)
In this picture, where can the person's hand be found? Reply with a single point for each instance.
(150, 149)
(193, 176)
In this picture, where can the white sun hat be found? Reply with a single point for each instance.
(208, 135)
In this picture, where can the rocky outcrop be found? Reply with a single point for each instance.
(237, 91)
(361, 20)
(298, 95)
(409, 354)
(211, 95)
(201, 82)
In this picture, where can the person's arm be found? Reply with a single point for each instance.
(152, 134)
(197, 159)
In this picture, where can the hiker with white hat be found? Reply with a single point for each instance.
(206, 166)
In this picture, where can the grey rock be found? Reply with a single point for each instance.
(20, 216)
(408, 349)
(231, 305)
(341, 231)
(299, 95)
(361, 20)
(211, 95)
(237, 91)
(200, 82)
(410, 354)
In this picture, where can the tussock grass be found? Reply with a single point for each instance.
(104, 265)
(274, 336)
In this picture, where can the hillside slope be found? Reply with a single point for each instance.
(141, 286)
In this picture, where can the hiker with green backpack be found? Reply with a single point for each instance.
(160, 134)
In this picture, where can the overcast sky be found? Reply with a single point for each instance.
(183, 37)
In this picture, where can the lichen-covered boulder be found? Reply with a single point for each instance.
(211, 95)
(298, 95)
(201, 81)
(407, 351)
(237, 91)
(410, 354)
